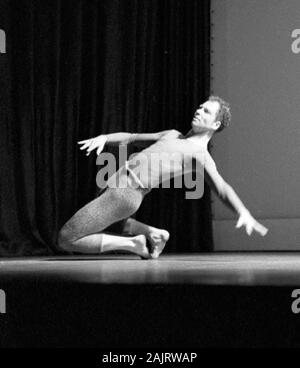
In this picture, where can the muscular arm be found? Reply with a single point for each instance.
(230, 198)
(143, 139)
(136, 138)
(224, 191)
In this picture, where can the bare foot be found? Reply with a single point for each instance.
(157, 239)
(140, 247)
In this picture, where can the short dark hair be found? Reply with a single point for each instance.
(224, 114)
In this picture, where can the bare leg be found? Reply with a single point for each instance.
(157, 237)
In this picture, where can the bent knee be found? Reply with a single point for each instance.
(64, 239)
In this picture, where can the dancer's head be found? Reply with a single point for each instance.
(213, 115)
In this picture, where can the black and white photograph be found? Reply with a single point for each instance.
(149, 177)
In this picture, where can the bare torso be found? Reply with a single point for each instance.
(171, 156)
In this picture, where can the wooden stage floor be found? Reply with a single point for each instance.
(237, 269)
(177, 301)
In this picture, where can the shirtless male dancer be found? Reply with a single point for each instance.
(85, 231)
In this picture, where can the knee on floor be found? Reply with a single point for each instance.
(64, 240)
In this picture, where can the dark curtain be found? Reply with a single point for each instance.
(78, 68)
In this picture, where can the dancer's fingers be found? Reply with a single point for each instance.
(249, 229)
(262, 230)
(86, 145)
(239, 223)
(92, 146)
(84, 141)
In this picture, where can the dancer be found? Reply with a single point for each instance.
(85, 231)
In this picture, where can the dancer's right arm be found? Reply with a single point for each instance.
(122, 138)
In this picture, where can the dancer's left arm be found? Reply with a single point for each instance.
(231, 199)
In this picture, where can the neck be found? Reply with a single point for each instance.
(201, 138)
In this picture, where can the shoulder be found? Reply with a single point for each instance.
(171, 133)
(209, 162)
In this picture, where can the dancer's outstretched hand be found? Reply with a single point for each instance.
(251, 224)
(93, 143)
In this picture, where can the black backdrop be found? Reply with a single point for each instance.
(75, 69)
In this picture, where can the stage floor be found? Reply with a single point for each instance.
(235, 269)
(186, 300)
